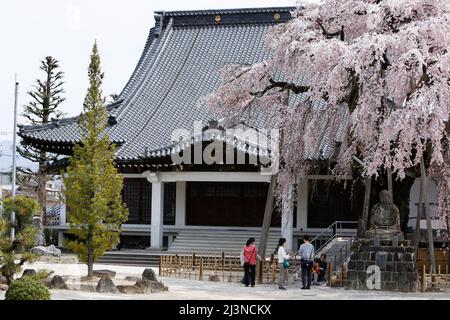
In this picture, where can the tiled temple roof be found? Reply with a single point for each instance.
(179, 66)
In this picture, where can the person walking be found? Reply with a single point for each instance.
(282, 256)
(250, 255)
(306, 253)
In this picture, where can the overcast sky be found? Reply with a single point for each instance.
(33, 29)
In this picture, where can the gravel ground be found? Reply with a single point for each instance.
(183, 289)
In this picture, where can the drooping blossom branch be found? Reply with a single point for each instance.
(370, 75)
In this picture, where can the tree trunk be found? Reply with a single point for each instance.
(424, 200)
(390, 187)
(366, 208)
(448, 238)
(9, 279)
(267, 217)
(90, 256)
(419, 216)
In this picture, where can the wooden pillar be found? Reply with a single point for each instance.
(200, 272)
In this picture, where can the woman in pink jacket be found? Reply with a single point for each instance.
(250, 254)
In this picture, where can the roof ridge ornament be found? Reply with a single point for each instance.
(112, 120)
(277, 17)
(159, 22)
(56, 122)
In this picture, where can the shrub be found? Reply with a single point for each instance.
(27, 289)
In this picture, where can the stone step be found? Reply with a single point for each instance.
(216, 241)
(129, 259)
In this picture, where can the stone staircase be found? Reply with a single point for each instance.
(138, 258)
(337, 251)
(335, 241)
(217, 241)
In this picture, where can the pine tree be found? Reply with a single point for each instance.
(46, 99)
(92, 184)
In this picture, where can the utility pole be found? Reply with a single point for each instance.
(13, 214)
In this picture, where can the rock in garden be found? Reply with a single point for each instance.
(130, 289)
(214, 278)
(104, 273)
(29, 273)
(47, 282)
(58, 283)
(86, 287)
(51, 250)
(132, 278)
(89, 279)
(149, 274)
(151, 286)
(145, 285)
(106, 285)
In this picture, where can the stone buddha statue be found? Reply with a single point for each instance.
(385, 219)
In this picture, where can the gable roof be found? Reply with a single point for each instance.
(179, 65)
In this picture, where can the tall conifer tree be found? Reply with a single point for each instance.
(92, 185)
(46, 99)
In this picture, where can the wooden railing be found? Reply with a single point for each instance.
(222, 268)
(217, 267)
(438, 281)
(337, 275)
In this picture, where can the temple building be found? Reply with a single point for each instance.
(158, 118)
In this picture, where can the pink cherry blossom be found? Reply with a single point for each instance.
(371, 75)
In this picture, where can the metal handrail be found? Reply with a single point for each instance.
(335, 228)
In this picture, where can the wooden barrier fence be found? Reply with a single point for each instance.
(220, 267)
(430, 282)
(217, 267)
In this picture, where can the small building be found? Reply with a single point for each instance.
(157, 119)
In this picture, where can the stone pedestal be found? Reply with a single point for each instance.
(385, 266)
